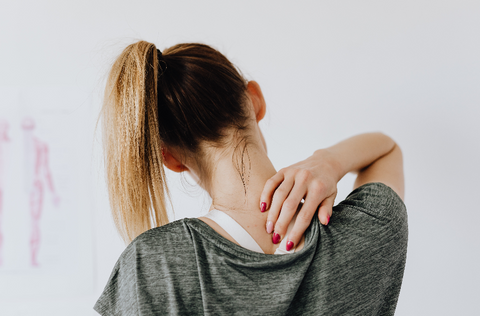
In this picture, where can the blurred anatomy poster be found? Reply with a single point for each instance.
(45, 219)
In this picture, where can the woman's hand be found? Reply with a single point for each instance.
(315, 180)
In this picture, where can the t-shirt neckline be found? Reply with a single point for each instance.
(311, 238)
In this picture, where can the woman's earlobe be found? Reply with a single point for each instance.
(171, 162)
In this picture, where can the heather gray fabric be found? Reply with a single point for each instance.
(353, 266)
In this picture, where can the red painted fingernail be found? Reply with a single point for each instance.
(275, 238)
(263, 207)
(289, 245)
(328, 219)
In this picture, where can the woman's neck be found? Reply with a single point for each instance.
(236, 184)
(236, 190)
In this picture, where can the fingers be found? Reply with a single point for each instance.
(282, 195)
(278, 199)
(270, 186)
(288, 210)
(325, 210)
(303, 220)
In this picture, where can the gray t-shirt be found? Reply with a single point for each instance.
(353, 266)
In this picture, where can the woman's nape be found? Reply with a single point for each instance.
(231, 193)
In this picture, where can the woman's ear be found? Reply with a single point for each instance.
(256, 95)
(171, 162)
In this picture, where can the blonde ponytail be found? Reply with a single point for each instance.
(198, 95)
(132, 144)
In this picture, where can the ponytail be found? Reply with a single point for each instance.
(198, 95)
(132, 143)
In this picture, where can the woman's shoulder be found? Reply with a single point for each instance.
(156, 252)
(174, 235)
(378, 200)
(374, 211)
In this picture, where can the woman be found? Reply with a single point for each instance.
(189, 109)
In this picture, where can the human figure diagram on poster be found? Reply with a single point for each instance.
(45, 221)
(38, 176)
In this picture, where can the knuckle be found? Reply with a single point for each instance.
(281, 190)
(304, 216)
(289, 204)
(318, 186)
(303, 175)
(273, 210)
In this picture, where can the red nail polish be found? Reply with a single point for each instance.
(275, 238)
(289, 245)
(263, 207)
(328, 219)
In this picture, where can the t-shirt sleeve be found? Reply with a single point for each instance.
(371, 245)
(120, 295)
(377, 200)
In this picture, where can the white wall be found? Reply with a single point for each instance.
(329, 70)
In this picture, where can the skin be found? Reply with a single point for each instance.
(375, 157)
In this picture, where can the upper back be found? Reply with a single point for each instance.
(352, 266)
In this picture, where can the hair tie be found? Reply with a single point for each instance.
(161, 60)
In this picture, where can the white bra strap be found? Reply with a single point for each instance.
(234, 229)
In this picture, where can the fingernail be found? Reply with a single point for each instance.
(328, 219)
(289, 245)
(275, 238)
(269, 227)
(263, 207)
